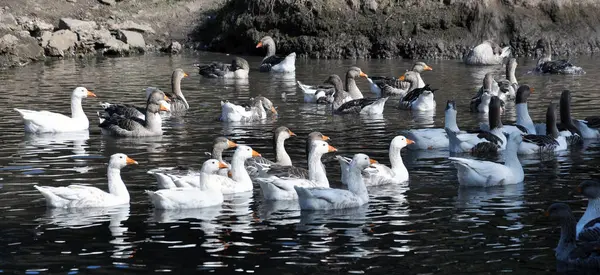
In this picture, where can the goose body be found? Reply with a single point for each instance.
(257, 164)
(486, 173)
(418, 99)
(390, 86)
(282, 188)
(551, 142)
(366, 106)
(495, 138)
(380, 174)
(237, 69)
(129, 110)
(480, 102)
(435, 138)
(546, 65)
(328, 198)
(50, 122)
(207, 194)
(317, 93)
(121, 126)
(591, 190)
(274, 63)
(80, 196)
(178, 104)
(237, 113)
(487, 53)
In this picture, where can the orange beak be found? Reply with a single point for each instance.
(372, 161)
(363, 74)
(401, 78)
(130, 161)
(229, 174)
(255, 154)
(231, 144)
(410, 141)
(531, 89)
(164, 108)
(546, 213)
(90, 94)
(291, 133)
(427, 68)
(166, 98)
(222, 165)
(185, 75)
(325, 137)
(260, 44)
(332, 149)
(579, 189)
(273, 110)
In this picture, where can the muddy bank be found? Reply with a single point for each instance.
(405, 28)
(32, 30)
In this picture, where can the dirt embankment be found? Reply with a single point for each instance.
(33, 30)
(401, 28)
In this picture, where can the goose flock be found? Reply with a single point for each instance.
(281, 179)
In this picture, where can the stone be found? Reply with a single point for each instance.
(35, 26)
(60, 42)
(100, 36)
(7, 42)
(134, 39)
(108, 2)
(372, 5)
(132, 26)
(8, 19)
(16, 51)
(76, 25)
(115, 47)
(173, 48)
(44, 37)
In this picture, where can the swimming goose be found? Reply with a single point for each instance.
(587, 129)
(207, 194)
(546, 65)
(128, 110)
(591, 190)
(322, 94)
(365, 106)
(282, 188)
(457, 141)
(273, 63)
(509, 85)
(480, 102)
(495, 137)
(486, 173)
(339, 96)
(311, 198)
(120, 126)
(582, 253)
(232, 113)
(280, 135)
(351, 87)
(551, 142)
(435, 138)
(391, 86)
(178, 102)
(486, 53)
(49, 122)
(292, 171)
(237, 69)
(239, 182)
(166, 177)
(80, 196)
(418, 99)
(380, 174)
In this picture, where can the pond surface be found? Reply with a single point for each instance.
(427, 226)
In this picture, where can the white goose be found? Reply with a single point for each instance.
(273, 63)
(435, 138)
(49, 122)
(418, 99)
(486, 53)
(480, 102)
(166, 177)
(207, 194)
(486, 173)
(239, 182)
(591, 190)
(80, 196)
(234, 113)
(328, 198)
(282, 188)
(551, 142)
(381, 174)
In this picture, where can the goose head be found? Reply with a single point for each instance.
(361, 161)
(400, 142)
(523, 94)
(421, 67)
(314, 136)
(222, 144)
(321, 147)
(266, 103)
(488, 81)
(245, 152)
(355, 72)
(336, 81)
(239, 63)
(157, 102)
(282, 132)
(178, 74)
(410, 77)
(212, 166)
(559, 211)
(451, 106)
(118, 161)
(266, 42)
(590, 189)
(82, 92)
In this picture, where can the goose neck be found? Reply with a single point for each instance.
(396, 160)
(217, 153)
(316, 169)
(567, 238)
(238, 170)
(116, 186)
(352, 88)
(270, 45)
(450, 121)
(510, 73)
(176, 88)
(153, 121)
(523, 114)
(282, 156)
(76, 108)
(356, 183)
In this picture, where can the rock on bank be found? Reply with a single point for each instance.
(403, 28)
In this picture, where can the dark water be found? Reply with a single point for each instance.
(427, 226)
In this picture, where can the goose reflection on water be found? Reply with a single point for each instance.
(74, 141)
